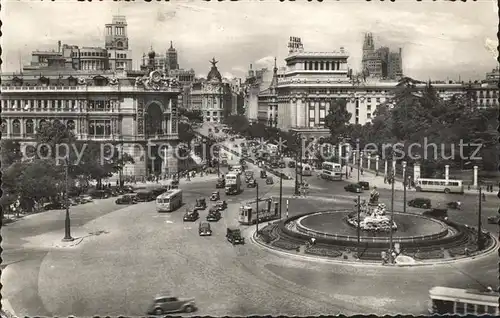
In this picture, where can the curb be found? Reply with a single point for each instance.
(323, 259)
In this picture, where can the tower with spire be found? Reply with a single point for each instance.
(171, 55)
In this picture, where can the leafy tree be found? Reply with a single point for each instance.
(185, 132)
(238, 123)
(10, 152)
(337, 119)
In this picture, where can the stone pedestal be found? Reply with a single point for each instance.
(476, 168)
(376, 162)
(353, 158)
(369, 159)
(385, 168)
(447, 172)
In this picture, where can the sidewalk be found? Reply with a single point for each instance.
(378, 181)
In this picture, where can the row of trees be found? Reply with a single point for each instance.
(35, 173)
(422, 117)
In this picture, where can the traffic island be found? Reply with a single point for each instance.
(422, 240)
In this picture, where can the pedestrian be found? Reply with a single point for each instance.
(468, 187)
(351, 169)
(362, 170)
(484, 197)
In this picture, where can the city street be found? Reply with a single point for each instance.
(144, 253)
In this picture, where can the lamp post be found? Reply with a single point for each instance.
(358, 228)
(404, 186)
(297, 166)
(479, 231)
(257, 208)
(392, 205)
(67, 221)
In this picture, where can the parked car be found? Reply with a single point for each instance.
(364, 185)
(85, 198)
(221, 205)
(54, 206)
(99, 194)
(353, 187)
(263, 174)
(221, 183)
(73, 201)
(422, 203)
(191, 216)
(252, 183)
(204, 229)
(126, 199)
(291, 164)
(166, 304)
(215, 196)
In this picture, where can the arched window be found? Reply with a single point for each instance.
(16, 127)
(316, 65)
(70, 124)
(56, 122)
(42, 123)
(4, 127)
(91, 128)
(107, 129)
(30, 127)
(321, 65)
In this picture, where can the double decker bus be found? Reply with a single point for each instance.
(456, 301)
(439, 185)
(331, 171)
(169, 201)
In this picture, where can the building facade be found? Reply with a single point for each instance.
(114, 56)
(312, 81)
(381, 63)
(134, 110)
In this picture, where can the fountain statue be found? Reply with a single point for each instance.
(372, 215)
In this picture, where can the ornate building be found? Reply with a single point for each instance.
(135, 110)
(212, 96)
(268, 102)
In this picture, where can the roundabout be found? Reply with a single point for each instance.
(365, 234)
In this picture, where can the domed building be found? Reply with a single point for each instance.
(212, 96)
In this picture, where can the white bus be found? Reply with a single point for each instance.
(169, 201)
(456, 301)
(439, 185)
(331, 171)
(306, 170)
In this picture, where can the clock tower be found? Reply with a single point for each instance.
(116, 42)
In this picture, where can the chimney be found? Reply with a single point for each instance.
(59, 46)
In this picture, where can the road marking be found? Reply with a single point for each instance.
(187, 228)
(169, 222)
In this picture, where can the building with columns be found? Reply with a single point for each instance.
(134, 110)
(312, 81)
(212, 96)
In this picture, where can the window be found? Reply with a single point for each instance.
(492, 310)
(369, 99)
(480, 309)
(368, 107)
(16, 127)
(378, 99)
(459, 308)
(471, 308)
(368, 115)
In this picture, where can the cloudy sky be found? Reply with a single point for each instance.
(440, 39)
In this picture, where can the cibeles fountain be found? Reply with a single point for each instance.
(372, 215)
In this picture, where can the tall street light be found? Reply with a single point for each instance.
(392, 203)
(67, 221)
(257, 207)
(358, 229)
(479, 231)
(404, 186)
(297, 163)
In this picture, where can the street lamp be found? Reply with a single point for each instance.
(257, 207)
(358, 229)
(404, 185)
(67, 221)
(479, 231)
(392, 203)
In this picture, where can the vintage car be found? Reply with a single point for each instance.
(364, 185)
(54, 206)
(126, 199)
(221, 183)
(263, 174)
(201, 204)
(234, 236)
(291, 164)
(356, 188)
(214, 215)
(204, 229)
(215, 196)
(165, 304)
(191, 216)
(453, 205)
(252, 183)
(440, 214)
(85, 199)
(421, 203)
(494, 219)
(269, 180)
(221, 205)
(282, 164)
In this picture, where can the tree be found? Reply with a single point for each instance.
(185, 132)
(337, 119)
(10, 152)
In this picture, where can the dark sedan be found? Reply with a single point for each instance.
(356, 188)
(421, 203)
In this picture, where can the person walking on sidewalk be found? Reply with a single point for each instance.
(362, 170)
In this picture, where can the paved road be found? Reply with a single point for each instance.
(145, 253)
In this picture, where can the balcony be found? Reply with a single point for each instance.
(83, 88)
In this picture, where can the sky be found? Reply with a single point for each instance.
(440, 40)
